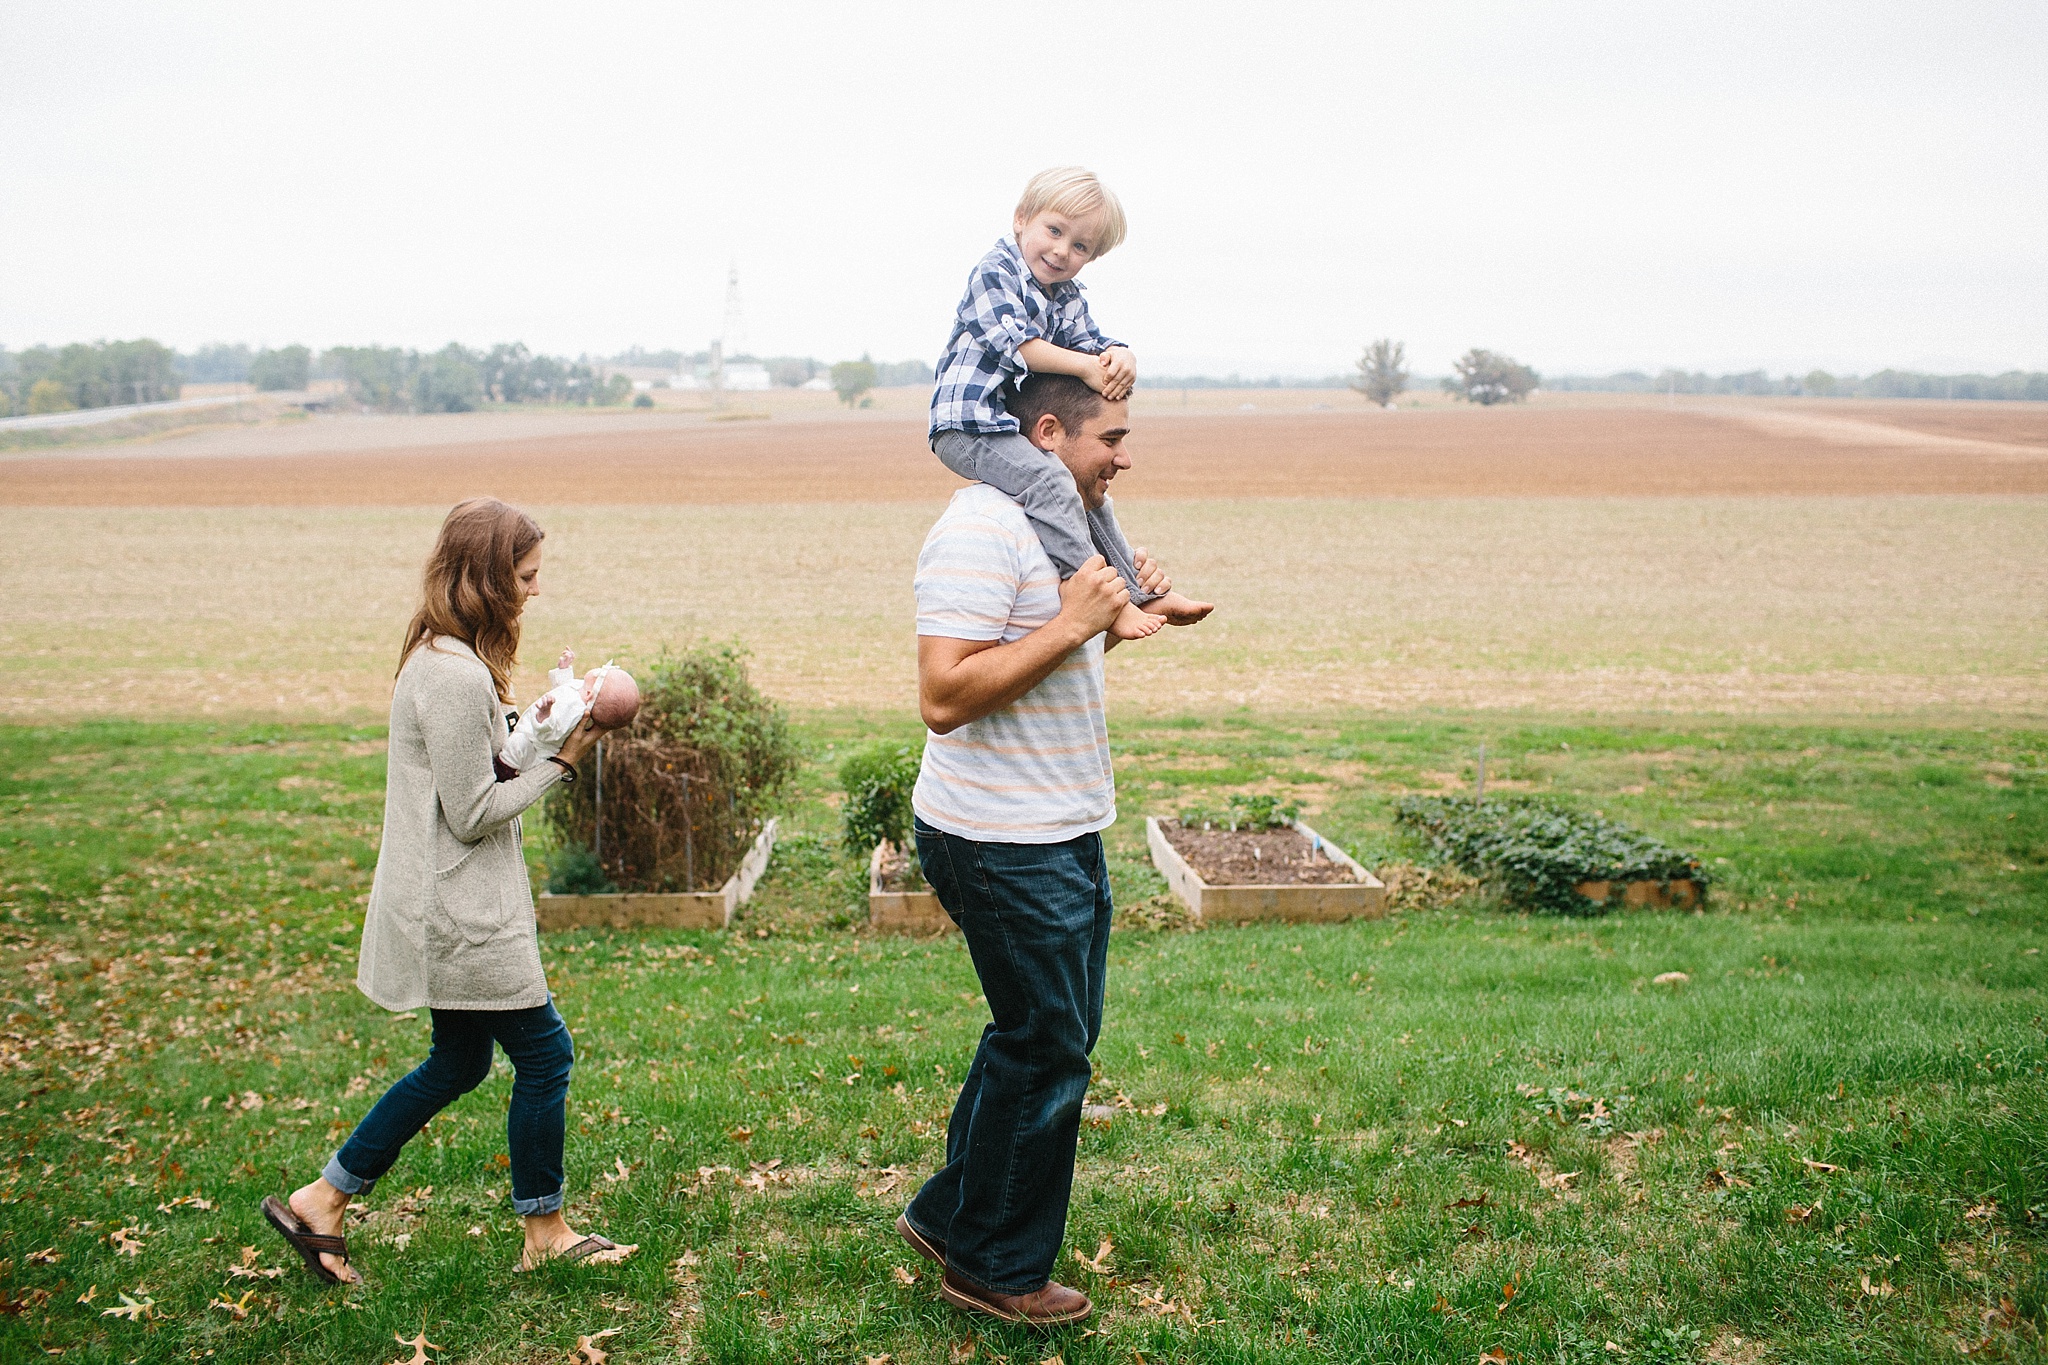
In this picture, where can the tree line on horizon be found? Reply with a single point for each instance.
(456, 378)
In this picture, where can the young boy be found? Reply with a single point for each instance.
(1023, 314)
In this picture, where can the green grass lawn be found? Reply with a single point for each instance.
(1451, 1132)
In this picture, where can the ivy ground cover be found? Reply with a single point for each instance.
(1454, 1134)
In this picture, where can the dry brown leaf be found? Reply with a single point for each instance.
(1469, 1202)
(883, 1359)
(1497, 1356)
(961, 1352)
(1882, 1289)
(1669, 979)
(905, 1275)
(47, 1256)
(130, 1309)
(420, 1346)
(587, 1347)
(1981, 1213)
(1099, 1264)
(125, 1241)
(1823, 1167)
(239, 1307)
(620, 1172)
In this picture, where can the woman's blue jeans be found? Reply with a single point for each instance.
(536, 1040)
(1036, 920)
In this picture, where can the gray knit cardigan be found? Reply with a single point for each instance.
(450, 923)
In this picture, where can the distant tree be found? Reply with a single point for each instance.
(852, 378)
(902, 374)
(104, 373)
(507, 372)
(282, 369)
(790, 370)
(1382, 371)
(47, 395)
(219, 363)
(613, 391)
(1485, 378)
(1819, 383)
(449, 380)
(377, 376)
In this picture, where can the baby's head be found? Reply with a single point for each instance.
(613, 696)
(1066, 219)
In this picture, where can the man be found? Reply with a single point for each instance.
(1014, 792)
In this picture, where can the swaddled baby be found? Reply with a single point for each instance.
(608, 695)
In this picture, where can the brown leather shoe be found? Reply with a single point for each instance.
(1047, 1307)
(931, 1250)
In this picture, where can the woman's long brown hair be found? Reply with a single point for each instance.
(470, 589)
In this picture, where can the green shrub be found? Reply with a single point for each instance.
(689, 784)
(575, 871)
(878, 782)
(1537, 852)
(1243, 812)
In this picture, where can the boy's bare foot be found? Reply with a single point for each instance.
(323, 1208)
(1177, 609)
(1134, 624)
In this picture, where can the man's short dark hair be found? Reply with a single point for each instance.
(1062, 395)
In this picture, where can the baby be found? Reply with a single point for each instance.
(608, 695)
(1023, 314)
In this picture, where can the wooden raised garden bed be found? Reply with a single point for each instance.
(1680, 891)
(901, 912)
(1352, 893)
(660, 909)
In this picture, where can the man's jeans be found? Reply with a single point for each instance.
(1036, 921)
(538, 1043)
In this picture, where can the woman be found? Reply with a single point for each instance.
(450, 924)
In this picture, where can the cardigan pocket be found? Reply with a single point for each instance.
(470, 896)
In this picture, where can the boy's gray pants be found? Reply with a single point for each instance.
(1070, 531)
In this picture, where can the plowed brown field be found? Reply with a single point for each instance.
(1707, 448)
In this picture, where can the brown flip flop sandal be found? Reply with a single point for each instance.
(583, 1250)
(308, 1243)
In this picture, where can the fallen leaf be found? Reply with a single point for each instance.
(587, 1347)
(883, 1359)
(420, 1346)
(1669, 979)
(1798, 1213)
(1986, 1210)
(905, 1276)
(961, 1352)
(1825, 1168)
(402, 1240)
(239, 1307)
(740, 1134)
(1099, 1264)
(1470, 1202)
(619, 1173)
(1557, 1180)
(125, 1241)
(47, 1256)
(1882, 1289)
(1442, 1305)
(133, 1311)
(89, 1295)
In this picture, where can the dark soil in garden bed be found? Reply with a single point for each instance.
(1247, 857)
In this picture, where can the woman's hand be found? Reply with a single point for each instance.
(579, 742)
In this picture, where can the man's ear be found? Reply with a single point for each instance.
(1047, 431)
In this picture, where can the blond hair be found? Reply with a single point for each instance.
(1075, 192)
(470, 590)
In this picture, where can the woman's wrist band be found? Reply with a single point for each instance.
(568, 769)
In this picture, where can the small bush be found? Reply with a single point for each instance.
(1243, 812)
(689, 784)
(575, 871)
(1538, 852)
(878, 782)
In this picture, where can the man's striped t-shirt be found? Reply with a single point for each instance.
(1037, 771)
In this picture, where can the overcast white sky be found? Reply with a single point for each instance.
(1587, 187)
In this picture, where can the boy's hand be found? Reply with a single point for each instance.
(1120, 374)
(1093, 597)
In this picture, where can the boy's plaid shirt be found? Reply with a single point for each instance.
(1003, 308)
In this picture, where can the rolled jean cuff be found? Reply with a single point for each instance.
(533, 1208)
(338, 1176)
